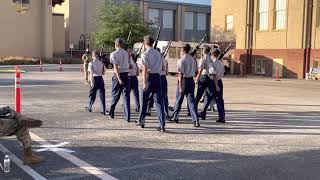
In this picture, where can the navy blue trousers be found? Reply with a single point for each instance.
(220, 101)
(205, 84)
(164, 84)
(134, 86)
(154, 86)
(116, 92)
(98, 84)
(188, 87)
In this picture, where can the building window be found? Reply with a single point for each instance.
(188, 21)
(168, 18)
(281, 14)
(263, 14)
(22, 6)
(229, 23)
(318, 18)
(260, 65)
(316, 63)
(202, 21)
(154, 18)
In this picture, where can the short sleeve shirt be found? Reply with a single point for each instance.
(187, 65)
(219, 68)
(206, 63)
(133, 71)
(164, 67)
(152, 60)
(120, 58)
(96, 68)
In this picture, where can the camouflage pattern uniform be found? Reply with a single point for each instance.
(86, 58)
(10, 125)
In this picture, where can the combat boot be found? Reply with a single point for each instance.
(29, 122)
(30, 158)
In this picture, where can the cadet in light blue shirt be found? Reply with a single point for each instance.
(187, 67)
(120, 79)
(204, 81)
(151, 82)
(219, 67)
(97, 70)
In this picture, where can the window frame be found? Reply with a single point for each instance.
(172, 18)
(318, 15)
(276, 11)
(226, 23)
(199, 28)
(185, 20)
(263, 68)
(266, 13)
(158, 22)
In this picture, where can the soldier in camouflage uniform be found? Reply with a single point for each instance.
(13, 123)
(86, 58)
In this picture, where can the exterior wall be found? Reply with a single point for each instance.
(24, 34)
(288, 44)
(292, 61)
(220, 9)
(58, 34)
(281, 39)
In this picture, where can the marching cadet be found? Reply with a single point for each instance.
(134, 83)
(13, 123)
(164, 89)
(151, 81)
(120, 80)
(204, 81)
(219, 73)
(96, 70)
(86, 58)
(187, 67)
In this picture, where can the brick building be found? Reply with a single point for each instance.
(269, 34)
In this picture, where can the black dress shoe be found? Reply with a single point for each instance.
(171, 108)
(168, 118)
(201, 115)
(148, 114)
(111, 115)
(137, 110)
(89, 110)
(141, 125)
(221, 121)
(196, 124)
(161, 129)
(174, 120)
(103, 113)
(189, 114)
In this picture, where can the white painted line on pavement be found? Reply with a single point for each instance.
(19, 163)
(80, 163)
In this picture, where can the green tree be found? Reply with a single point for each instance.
(115, 19)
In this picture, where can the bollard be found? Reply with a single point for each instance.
(41, 65)
(277, 73)
(61, 68)
(17, 91)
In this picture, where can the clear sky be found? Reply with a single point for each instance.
(205, 2)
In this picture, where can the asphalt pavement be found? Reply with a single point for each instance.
(272, 132)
